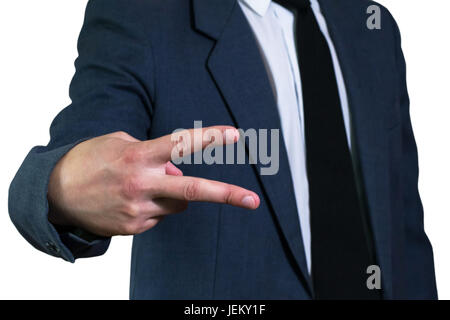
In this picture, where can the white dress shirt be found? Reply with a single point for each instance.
(273, 26)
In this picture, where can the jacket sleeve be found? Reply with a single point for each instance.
(111, 91)
(418, 252)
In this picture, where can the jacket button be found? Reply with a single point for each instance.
(52, 247)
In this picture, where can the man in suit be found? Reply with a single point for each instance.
(344, 199)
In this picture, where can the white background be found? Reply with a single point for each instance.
(37, 50)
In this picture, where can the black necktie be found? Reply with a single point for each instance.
(341, 244)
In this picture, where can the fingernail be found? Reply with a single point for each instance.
(231, 135)
(248, 202)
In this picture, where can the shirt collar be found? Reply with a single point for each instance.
(259, 6)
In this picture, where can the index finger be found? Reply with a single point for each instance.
(184, 142)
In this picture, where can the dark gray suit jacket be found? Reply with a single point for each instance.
(148, 67)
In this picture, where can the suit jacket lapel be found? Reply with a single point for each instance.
(237, 67)
(369, 122)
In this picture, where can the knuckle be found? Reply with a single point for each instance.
(132, 154)
(129, 228)
(139, 227)
(132, 187)
(132, 210)
(151, 224)
(228, 196)
(191, 190)
(180, 143)
(121, 135)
